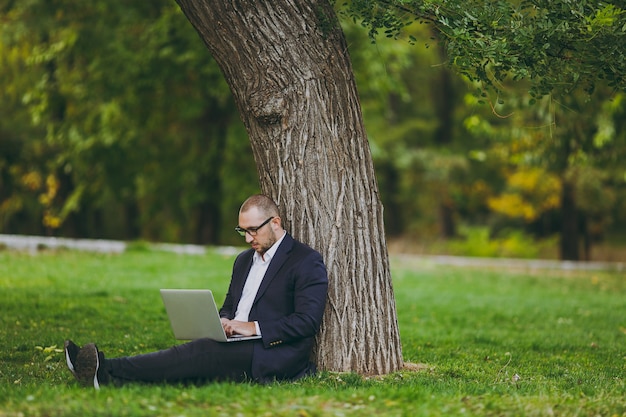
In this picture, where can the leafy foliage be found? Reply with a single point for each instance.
(131, 117)
(532, 192)
(559, 46)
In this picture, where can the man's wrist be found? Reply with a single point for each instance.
(258, 329)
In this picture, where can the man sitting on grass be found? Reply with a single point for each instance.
(277, 290)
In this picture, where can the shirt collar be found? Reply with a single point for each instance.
(271, 251)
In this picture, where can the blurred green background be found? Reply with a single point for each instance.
(116, 123)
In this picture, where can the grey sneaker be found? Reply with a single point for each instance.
(86, 366)
(71, 353)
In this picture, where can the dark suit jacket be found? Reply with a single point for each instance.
(288, 306)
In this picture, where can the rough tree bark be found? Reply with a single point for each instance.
(287, 64)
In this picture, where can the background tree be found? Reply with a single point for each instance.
(560, 47)
(132, 132)
(17, 159)
(558, 169)
(413, 110)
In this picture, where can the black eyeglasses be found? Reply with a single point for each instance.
(252, 231)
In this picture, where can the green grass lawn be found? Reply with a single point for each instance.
(494, 342)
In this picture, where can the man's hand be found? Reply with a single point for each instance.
(244, 328)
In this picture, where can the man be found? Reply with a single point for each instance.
(277, 290)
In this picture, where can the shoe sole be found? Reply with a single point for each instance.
(88, 364)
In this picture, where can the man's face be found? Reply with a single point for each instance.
(266, 235)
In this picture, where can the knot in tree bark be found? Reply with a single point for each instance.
(267, 106)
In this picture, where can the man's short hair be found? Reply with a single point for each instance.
(262, 202)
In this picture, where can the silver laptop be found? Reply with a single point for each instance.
(193, 315)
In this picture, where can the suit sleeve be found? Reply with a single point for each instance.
(310, 287)
(241, 267)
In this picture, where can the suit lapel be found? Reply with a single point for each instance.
(281, 255)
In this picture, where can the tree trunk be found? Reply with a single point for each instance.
(389, 178)
(288, 67)
(208, 213)
(586, 236)
(444, 102)
(447, 225)
(569, 222)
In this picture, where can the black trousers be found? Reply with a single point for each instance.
(196, 361)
